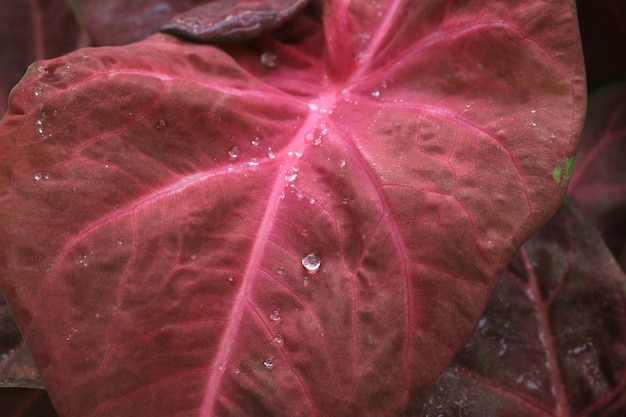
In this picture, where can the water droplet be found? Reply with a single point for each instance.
(345, 200)
(231, 277)
(308, 138)
(269, 59)
(37, 91)
(269, 362)
(236, 371)
(304, 233)
(253, 163)
(306, 280)
(282, 195)
(275, 316)
(281, 270)
(233, 152)
(38, 176)
(311, 262)
(291, 175)
(533, 124)
(312, 106)
(222, 367)
(312, 201)
(270, 153)
(119, 241)
(160, 124)
(533, 111)
(39, 122)
(278, 338)
(256, 141)
(317, 141)
(342, 164)
(376, 93)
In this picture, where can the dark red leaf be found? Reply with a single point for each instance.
(599, 175)
(118, 22)
(30, 31)
(20, 402)
(552, 341)
(603, 31)
(232, 20)
(314, 235)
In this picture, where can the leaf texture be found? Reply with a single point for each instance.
(552, 341)
(309, 224)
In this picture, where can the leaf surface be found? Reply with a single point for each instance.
(195, 231)
(599, 175)
(29, 31)
(552, 341)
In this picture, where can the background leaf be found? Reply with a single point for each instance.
(29, 31)
(553, 338)
(599, 175)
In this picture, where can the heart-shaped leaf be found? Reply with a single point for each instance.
(306, 225)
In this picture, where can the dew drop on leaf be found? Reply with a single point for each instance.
(376, 93)
(160, 124)
(281, 270)
(278, 338)
(275, 316)
(233, 152)
(291, 175)
(270, 153)
(269, 59)
(231, 277)
(306, 281)
(37, 176)
(256, 141)
(311, 262)
(269, 362)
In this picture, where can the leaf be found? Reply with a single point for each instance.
(17, 367)
(20, 402)
(29, 31)
(599, 175)
(603, 32)
(553, 338)
(232, 20)
(187, 231)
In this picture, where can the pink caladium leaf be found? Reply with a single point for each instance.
(187, 230)
(552, 341)
(598, 181)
